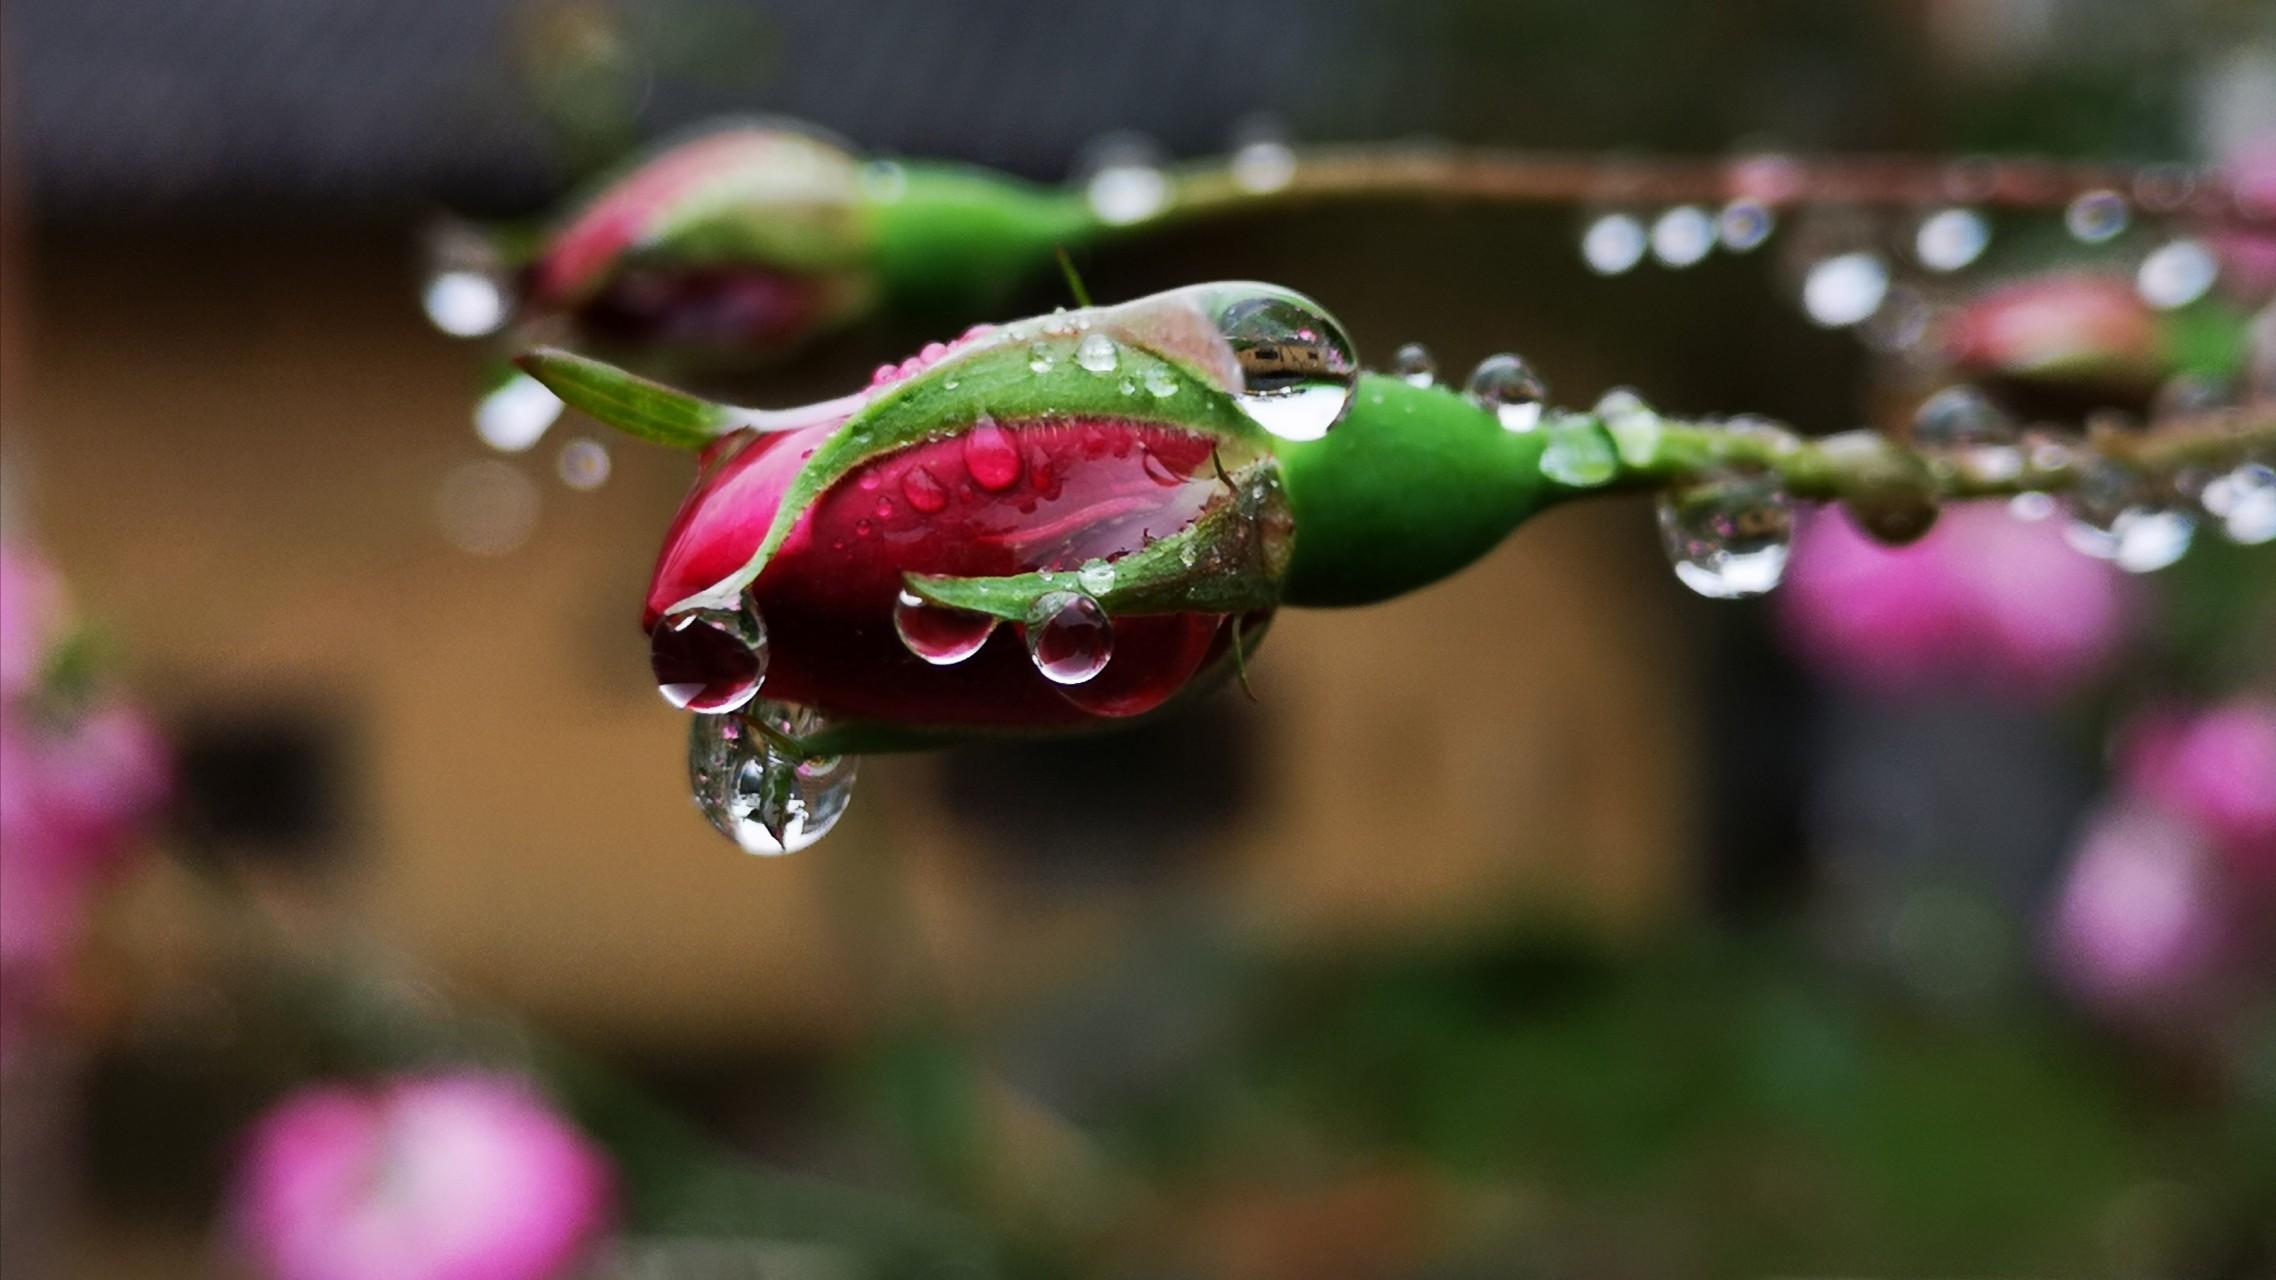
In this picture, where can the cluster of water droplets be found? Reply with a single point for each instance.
(1856, 272)
(759, 791)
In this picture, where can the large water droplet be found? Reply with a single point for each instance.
(2176, 274)
(991, 456)
(1508, 386)
(1960, 418)
(1096, 353)
(2244, 501)
(1126, 182)
(1579, 453)
(1069, 636)
(1097, 577)
(1613, 243)
(1845, 289)
(2094, 217)
(940, 636)
(1744, 224)
(709, 660)
(1414, 365)
(1683, 236)
(2116, 516)
(1950, 239)
(755, 791)
(1728, 537)
(1298, 367)
(515, 414)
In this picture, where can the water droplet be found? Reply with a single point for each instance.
(465, 304)
(1508, 386)
(1845, 289)
(1613, 243)
(1126, 182)
(1188, 554)
(1159, 381)
(1634, 425)
(1096, 353)
(1414, 365)
(884, 181)
(1683, 236)
(583, 464)
(1039, 358)
(486, 507)
(1069, 637)
(2095, 217)
(1127, 386)
(1960, 418)
(940, 635)
(2031, 507)
(1097, 577)
(1950, 239)
(515, 414)
(709, 660)
(1262, 159)
(1744, 224)
(2176, 274)
(1298, 367)
(2186, 394)
(991, 456)
(2116, 516)
(924, 493)
(754, 791)
(2244, 501)
(1728, 537)
(1580, 454)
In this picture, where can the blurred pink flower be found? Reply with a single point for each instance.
(1986, 603)
(75, 784)
(2215, 770)
(2066, 327)
(2248, 253)
(450, 1177)
(2138, 928)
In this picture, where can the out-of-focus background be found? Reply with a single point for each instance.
(1551, 921)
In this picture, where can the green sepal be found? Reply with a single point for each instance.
(999, 381)
(630, 403)
(953, 236)
(1228, 561)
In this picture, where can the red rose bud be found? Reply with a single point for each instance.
(1054, 524)
(2084, 341)
(748, 240)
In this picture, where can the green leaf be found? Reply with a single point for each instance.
(629, 402)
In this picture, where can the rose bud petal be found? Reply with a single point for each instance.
(452, 1177)
(2216, 770)
(2139, 928)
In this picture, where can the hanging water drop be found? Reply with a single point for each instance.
(990, 455)
(709, 660)
(1126, 183)
(1298, 367)
(1096, 353)
(1097, 577)
(937, 634)
(2116, 516)
(516, 413)
(1950, 239)
(1744, 224)
(1069, 637)
(1579, 453)
(1414, 365)
(756, 791)
(1683, 236)
(2244, 501)
(1961, 418)
(2176, 274)
(1613, 243)
(2096, 217)
(1508, 386)
(1845, 289)
(1728, 537)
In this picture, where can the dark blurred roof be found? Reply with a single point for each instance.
(143, 105)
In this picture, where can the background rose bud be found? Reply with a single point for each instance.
(2060, 343)
(2138, 927)
(2214, 769)
(448, 1177)
(1984, 601)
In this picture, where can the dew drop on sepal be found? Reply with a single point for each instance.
(1069, 637)
(1728, 536)
(1510, 388)
(709, 660)
(1959, 418)
(1414, 365)
(937, 634)
(1298, 367)
(756, 792)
